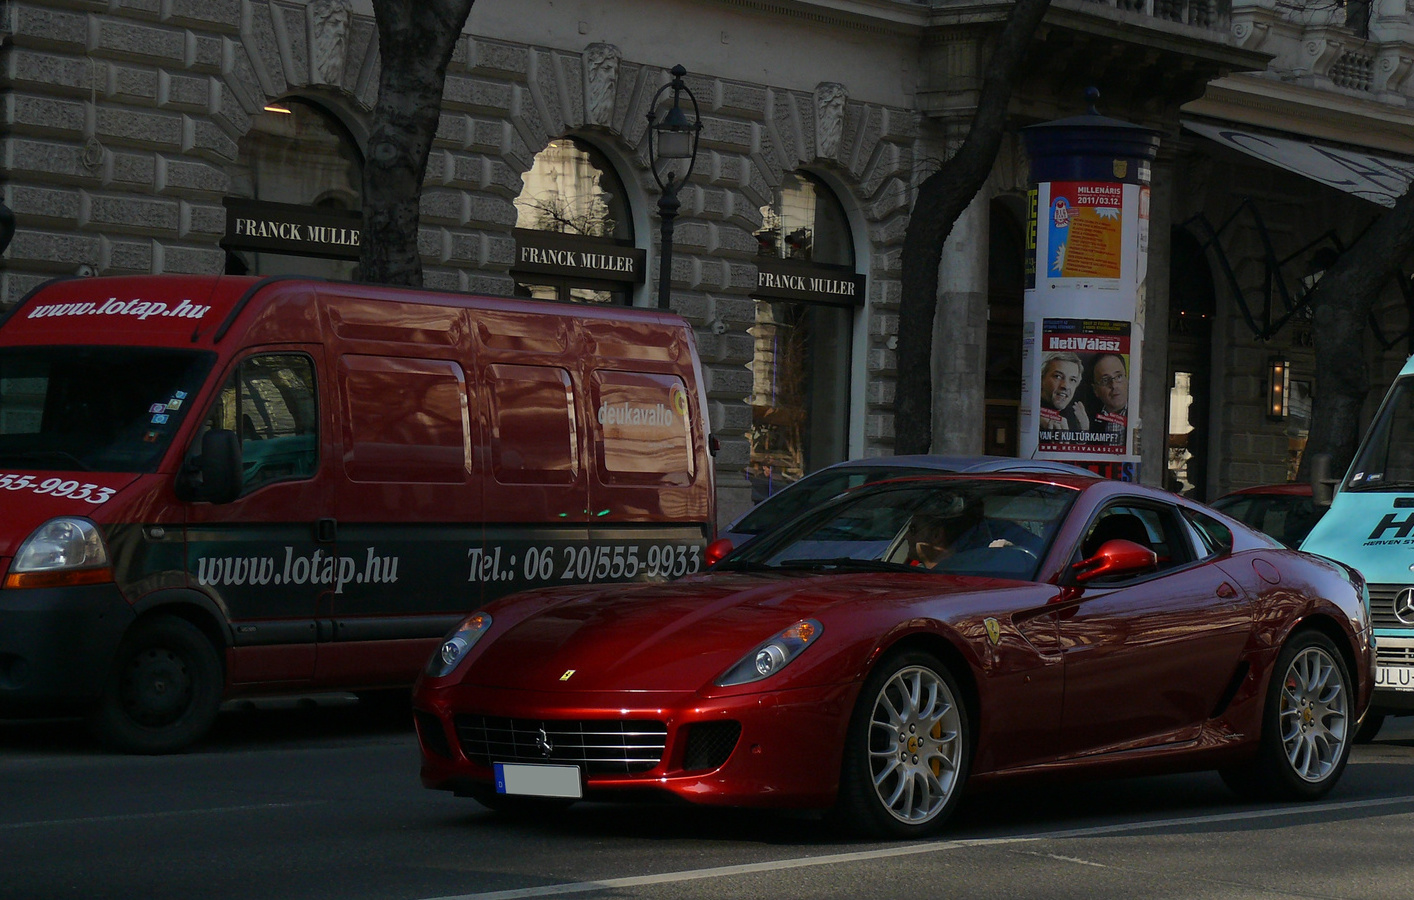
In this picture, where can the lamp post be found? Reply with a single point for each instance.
(672, 138)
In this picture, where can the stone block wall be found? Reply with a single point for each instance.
(122, 119)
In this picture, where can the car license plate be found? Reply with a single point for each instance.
(1398, 677)
(535, 780)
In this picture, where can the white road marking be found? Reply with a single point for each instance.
(47, 823)
(581, 887)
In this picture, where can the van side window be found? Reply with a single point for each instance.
(643, 430)
(533, 434)
(269, 401)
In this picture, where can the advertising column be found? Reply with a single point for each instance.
(1083, 329)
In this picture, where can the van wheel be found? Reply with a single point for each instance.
(1307, 725)
(164, 690)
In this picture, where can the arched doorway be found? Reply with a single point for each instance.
(296, 195)
(574, 229)
(807, 292)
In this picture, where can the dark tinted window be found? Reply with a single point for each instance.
(1215, 534)
(100, 409)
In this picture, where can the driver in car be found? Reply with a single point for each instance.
(933, 538)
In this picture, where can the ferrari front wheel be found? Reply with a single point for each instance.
(1308, 725)
(907, 749)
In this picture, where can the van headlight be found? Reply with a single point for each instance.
(457, 645)
(772, 656)
(61, 552)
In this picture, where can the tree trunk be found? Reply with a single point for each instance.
(415, 43)
(1341, 304)
(942, 197)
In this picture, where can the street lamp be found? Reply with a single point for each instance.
(670, 139)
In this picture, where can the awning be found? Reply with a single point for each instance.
(1379, 179)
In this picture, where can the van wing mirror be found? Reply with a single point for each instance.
(1322, 484)
(214, 476)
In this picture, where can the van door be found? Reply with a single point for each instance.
(261, 557)
(650, 488)
(408, 511)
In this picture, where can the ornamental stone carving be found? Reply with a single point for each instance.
(830, 99)
(601, 76)
(329, 27)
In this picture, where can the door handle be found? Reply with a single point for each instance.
(325, 530)
(1226, 591)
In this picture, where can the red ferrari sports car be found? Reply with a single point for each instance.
(877, 654)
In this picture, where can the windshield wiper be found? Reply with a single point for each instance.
(843, 562)
(37, 455)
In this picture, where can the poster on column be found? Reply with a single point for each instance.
(1085, 230)
(1085, 387)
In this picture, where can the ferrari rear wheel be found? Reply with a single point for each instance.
(907, 751)
(1307, 725)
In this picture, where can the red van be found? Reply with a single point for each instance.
(217, 487)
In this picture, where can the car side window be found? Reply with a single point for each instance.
(1215, 536)
(269, 402)
(1158, 528)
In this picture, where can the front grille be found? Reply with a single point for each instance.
(1382, 605)
(611, 747)
(709, 744)
(1394, 656)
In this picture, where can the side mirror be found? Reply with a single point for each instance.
(1322, 484)
(1117, 557)
(716, 550)
(215, 475)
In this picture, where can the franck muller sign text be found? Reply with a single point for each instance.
(780, 279)
(291, 229)
(601, 259)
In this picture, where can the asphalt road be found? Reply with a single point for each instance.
(325, 803)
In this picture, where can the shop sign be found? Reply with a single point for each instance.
(291, 229)
(573, 256)
(783, 279)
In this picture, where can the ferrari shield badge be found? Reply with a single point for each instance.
(994, 631)
(569, 673)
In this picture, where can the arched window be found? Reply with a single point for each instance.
(574, 229)
(806, 294)
(295, 195)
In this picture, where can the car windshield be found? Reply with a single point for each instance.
(1386, 459)
(996, 528)
(812, 491)
(94, 409)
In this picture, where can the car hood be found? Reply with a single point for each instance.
(679, 636)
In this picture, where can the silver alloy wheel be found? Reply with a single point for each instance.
(1313, 717)
(915, 745)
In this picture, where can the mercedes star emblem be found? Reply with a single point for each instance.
(1404, 606)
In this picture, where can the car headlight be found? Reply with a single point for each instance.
(455, 648)
(774, 655)
(61, 552)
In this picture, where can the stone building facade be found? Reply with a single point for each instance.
(131, 128)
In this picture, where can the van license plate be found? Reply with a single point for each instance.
(527, 780)
(1399, 677)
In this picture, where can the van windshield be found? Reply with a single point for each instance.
(1386, 459)
(94, 409)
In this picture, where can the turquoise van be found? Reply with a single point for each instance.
(1370, 526)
